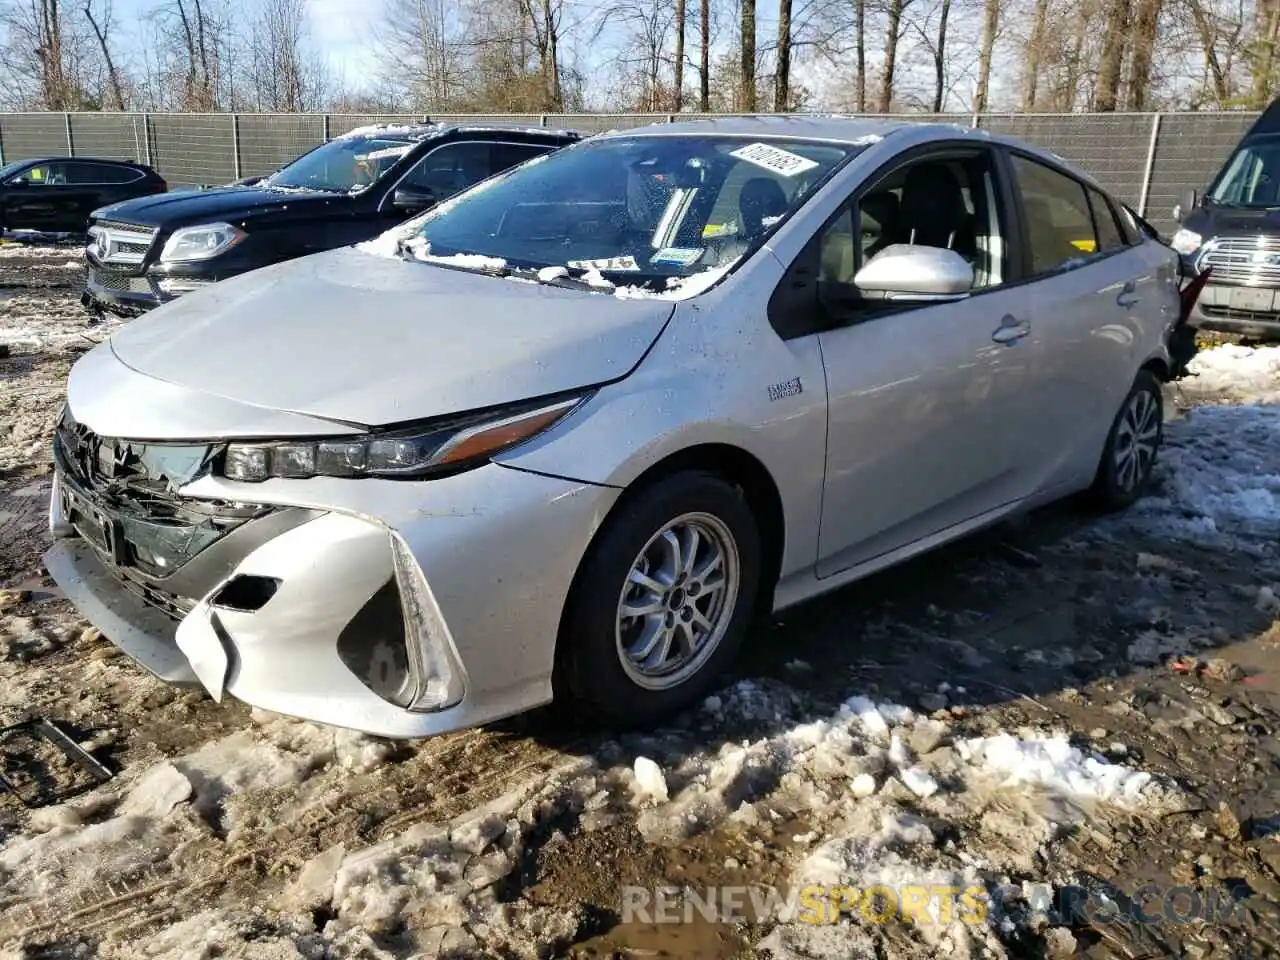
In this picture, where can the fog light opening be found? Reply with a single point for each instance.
(372, 647)
(246, 594)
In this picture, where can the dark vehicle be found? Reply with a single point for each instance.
(1234, 232)
(145, 252)
(57, 194)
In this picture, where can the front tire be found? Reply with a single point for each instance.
(1133, 444)
(662, 600)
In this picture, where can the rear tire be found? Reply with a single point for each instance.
(1133, 446)
(661, 602)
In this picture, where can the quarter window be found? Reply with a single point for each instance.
(1104, 221)
(96, 173)
(1059, 221)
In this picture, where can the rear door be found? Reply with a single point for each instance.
(1088, 286)
(92, 185)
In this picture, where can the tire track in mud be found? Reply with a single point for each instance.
(495, 764)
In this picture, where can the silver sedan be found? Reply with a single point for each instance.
(566, 434)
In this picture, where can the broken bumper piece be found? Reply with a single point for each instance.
(404, 609)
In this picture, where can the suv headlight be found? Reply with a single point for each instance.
(1186, 241)
(407, 454)
(200, 243)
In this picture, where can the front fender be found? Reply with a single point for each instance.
(706, 381)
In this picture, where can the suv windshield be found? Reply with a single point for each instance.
(1251, 177)
(346, 165)
(650, 209)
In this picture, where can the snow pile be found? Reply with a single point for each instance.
(1218, 478)
(826, 766)
(898, 799)
(1052, 761)
(1235, 373)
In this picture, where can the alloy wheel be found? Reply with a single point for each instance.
(678, 601)
(1136, 442)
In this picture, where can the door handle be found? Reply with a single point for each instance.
(1011, 329)
(1128, 296)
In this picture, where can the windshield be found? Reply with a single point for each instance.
(346, 165)
(652, 210)
(1252, 176)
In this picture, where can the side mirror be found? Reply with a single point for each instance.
(903, 272)
(1188, 203)
(413, 199)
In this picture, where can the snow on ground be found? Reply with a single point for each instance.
(1218, 479)
(1235, 373)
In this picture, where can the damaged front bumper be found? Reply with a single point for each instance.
(401, 609)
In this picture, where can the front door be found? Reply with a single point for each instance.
(36, 198)
(927, 410)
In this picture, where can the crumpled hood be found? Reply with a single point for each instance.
(351, 336)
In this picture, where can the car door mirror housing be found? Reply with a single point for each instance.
(903, 272)
(413, 199)
(1184, 206)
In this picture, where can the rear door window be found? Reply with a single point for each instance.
(1059, 221)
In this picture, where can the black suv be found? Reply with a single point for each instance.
(142, 253)
(57, 194)
(1233, 231)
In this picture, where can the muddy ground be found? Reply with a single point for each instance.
(1148, 641)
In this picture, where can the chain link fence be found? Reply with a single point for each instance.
(1149, 160)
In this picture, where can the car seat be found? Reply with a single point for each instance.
(933, 212)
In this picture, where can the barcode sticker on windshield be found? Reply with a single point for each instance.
(610, 263)
(680, 256)
(388, 152)
(773, 158)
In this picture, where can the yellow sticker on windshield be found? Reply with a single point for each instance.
(1087, 246)
(715, 229)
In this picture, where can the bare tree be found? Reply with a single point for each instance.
(648, 25)
(43, 56)
(1143, 52)
(940, 58)
(421, 42)
(782, 73)
(1114, 41)
(677, 102)
(1035, 55)
(704, 79)
(860, 41)
(893, 34)
(747, 51)
(101, 32)
(986, 51)
(285, 74)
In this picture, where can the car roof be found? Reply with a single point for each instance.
(834, 128)
(118, 163)
(429, 131)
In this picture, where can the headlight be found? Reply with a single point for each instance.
(400, 454)
(201, 243)
(1186, 241)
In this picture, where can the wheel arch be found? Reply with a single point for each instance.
(737, 467)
